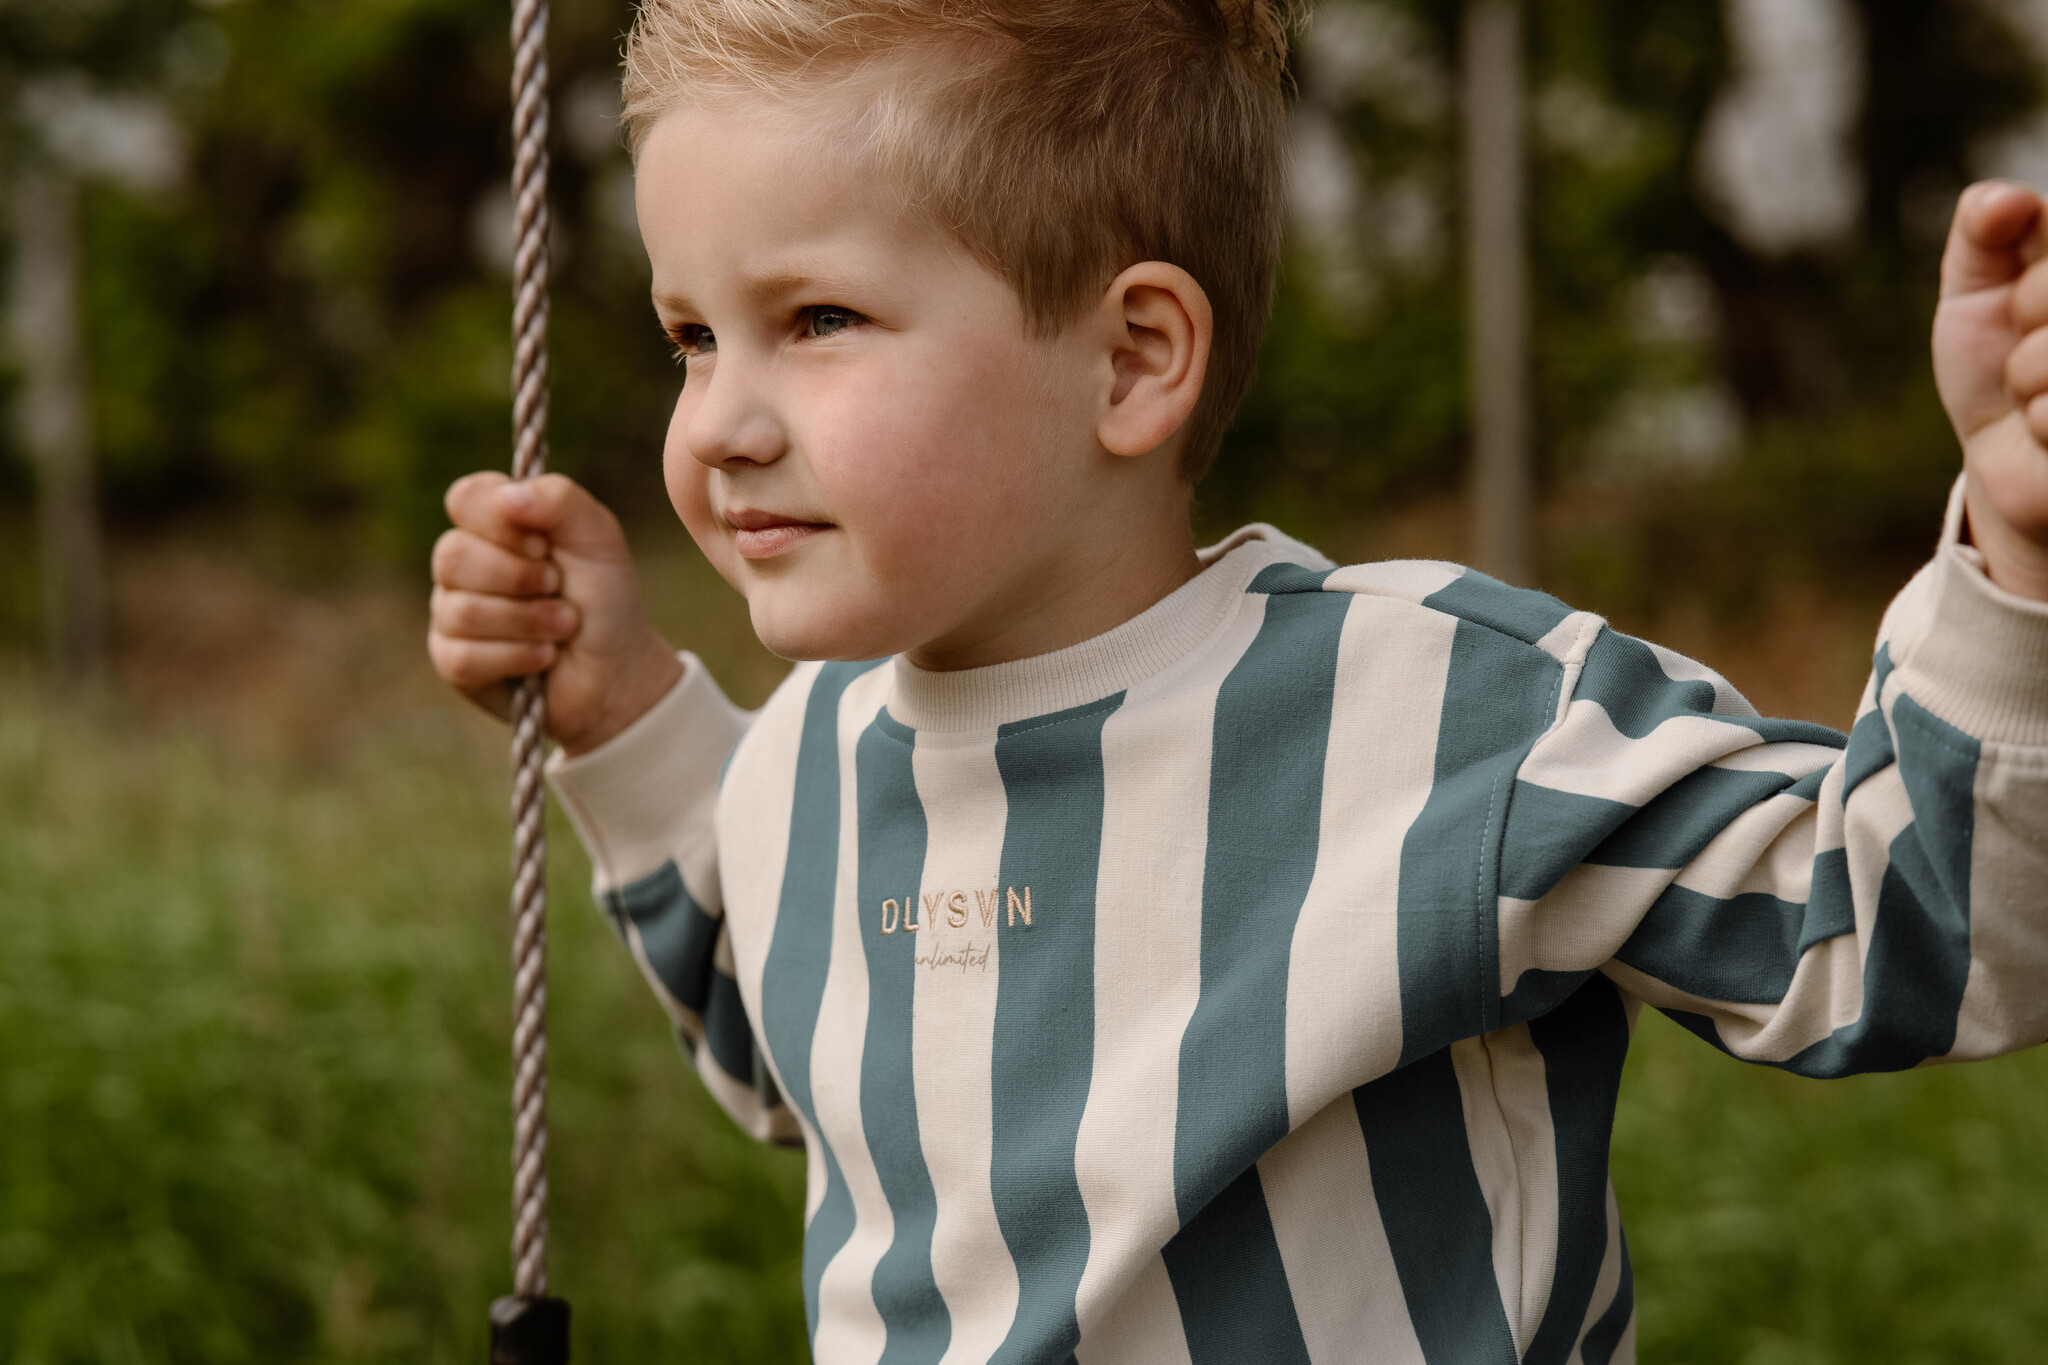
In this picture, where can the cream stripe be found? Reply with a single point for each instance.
(1569, 640)
(753, 842)
(1586, 755)
(1578, 924)
(1343, 972)
(846, 1303)
(753, 828)
(1789, 757)
(1340, 1271)
(1768, 850)
(2004, 1006)
(1506, 1095)
(953, 1041)
(1141, 1328)
(1148, 975)
(1406, 580)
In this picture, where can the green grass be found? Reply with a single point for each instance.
(1899, 1218)
(252, 1107)
(252, 1073)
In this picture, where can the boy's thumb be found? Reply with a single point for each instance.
(561, 509)
(1998, 232)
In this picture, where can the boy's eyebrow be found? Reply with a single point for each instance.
(757, 289)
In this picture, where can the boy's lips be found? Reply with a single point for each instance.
(763, 535)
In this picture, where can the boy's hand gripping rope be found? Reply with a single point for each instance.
(529, 1328)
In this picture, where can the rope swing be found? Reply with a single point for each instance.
(529, 1328)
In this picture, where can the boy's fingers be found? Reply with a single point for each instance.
(467, 561)
(2030, 298)
(473, 665)
(1997, 230)
(2026, 369)
(2037, 418)
(477, 616)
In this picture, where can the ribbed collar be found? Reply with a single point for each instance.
(1153, 640)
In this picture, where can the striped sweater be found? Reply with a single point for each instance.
(1252, 982)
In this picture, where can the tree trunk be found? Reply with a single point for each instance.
(55, 417)
(1497, 281)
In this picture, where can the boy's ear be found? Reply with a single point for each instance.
(1158, 325)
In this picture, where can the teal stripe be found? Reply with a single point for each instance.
(678, 938)
(1434, 1212)
(1227, 1276)
(1677, 825)
(893, 839)
(1870, 752)
(1499, 696)
(1808, 787)
(1044, 1053)
(1741, 950)
(1536, 993)
(1550, 832)
(726, 1031)
(1279, 578)
(1269, 740)
(1603, 1336)
(1870, 740)
(1584, 1043)
(1830, 903)
(1518, 613)
(1623, 675)
(800, 953)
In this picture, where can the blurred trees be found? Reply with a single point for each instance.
(1733, 408)
(310, 319)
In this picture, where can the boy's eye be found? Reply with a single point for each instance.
(826, 322)
(692, 339)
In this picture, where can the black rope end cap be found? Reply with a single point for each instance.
(529, 1332)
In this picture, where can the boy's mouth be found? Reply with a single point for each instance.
(763, 535)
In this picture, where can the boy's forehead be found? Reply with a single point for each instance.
(759, 208)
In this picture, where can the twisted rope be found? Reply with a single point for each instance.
(529, 798)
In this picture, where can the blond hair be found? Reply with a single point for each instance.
(1061, 141)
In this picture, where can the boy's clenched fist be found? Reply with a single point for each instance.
(1991, 364)
(536, 576)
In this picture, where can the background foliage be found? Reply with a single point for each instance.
(251, 993)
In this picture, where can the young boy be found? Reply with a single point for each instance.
(1177, 955)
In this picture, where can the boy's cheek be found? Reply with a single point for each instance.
(689, 492)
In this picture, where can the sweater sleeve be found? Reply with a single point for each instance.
(644, 804)
(1822, 903)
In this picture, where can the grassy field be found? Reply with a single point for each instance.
(252, 1021)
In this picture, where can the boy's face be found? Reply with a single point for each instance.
(869, 444)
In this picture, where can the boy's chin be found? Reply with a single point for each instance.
(806, 632)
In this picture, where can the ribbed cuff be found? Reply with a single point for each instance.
(647, 794)
(1968, 650)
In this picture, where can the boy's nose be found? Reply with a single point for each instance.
(734, 422)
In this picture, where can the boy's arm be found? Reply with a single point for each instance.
(537, 575)
(645, 806)
(1823, 908)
